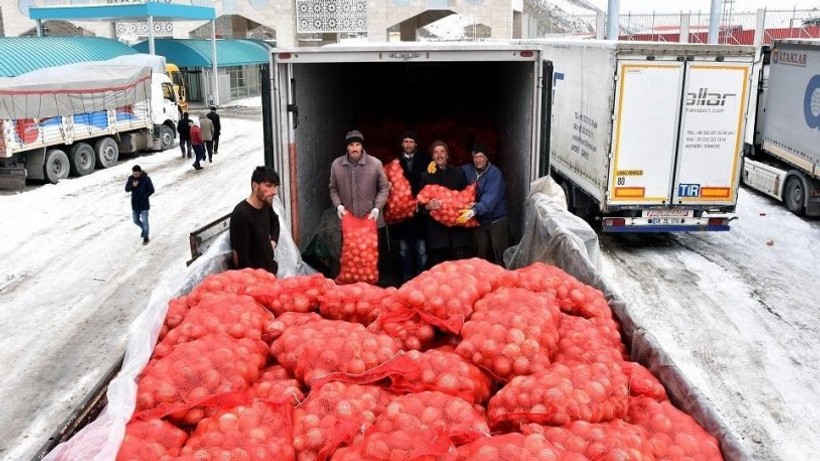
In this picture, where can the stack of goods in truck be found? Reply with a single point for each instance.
(467, 361)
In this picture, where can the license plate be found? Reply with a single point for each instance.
(666, 220)
(667, 213)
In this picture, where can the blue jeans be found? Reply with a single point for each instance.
(141, 220)
(413, 253)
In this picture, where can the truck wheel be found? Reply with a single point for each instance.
(166, 137)
(82, 158)
(56, 166)
(794, 195)
(107, 152)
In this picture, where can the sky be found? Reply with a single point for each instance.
(736, 312)
(667, 6)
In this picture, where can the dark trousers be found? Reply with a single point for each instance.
(216, 143)
(209, 145)
(185, 146)
(199, 151)
(491, 240)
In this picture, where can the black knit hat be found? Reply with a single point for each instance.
(354, 136)
(482, 148)
(410, 134)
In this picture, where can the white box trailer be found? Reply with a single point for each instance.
(649, 136)
(783, 150)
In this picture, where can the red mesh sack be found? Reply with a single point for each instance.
(587, 341)
(456, 417)
(510, 447)
(320, 350)
(257, 431)
(401, 445)
(232, 281)
(177, 310)
(151, 440)
(642, 383)
(290, 320)
(674, 435)
(589, 392)
(444, 295)
(358, 302)
(573, 296)
(237, 315)
(334, 414)
(195, 372)
(511, 333)
(611, 440)
(400, 203)
(360, 250)
(403, 325)
(444, 372)
(299, 293)
(275, 384)
(452, 201)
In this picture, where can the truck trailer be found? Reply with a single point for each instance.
(647, 137)
(782, 152)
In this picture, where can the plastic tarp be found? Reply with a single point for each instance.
(552, 235)
(100, 440)
(73, 89)
(155, 61)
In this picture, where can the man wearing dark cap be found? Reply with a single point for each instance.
(214, 117)
(410, 232)
(492, 236)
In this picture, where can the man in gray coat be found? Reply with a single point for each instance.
(206, 126)
(358, 183)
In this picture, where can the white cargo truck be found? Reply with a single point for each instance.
(783, 150)
(647, 136)
(74, 118)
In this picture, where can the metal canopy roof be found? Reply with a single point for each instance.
(19, 55)
(197, 53)
(134, 11)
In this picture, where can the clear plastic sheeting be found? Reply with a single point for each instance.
(552, 235)
(100, 440)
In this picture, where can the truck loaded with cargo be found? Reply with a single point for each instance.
(648, 137)
(72, 119)
(783, 149)
(467, 361)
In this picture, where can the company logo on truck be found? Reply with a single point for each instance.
(789, 58)
(811, 103)
(704, 98)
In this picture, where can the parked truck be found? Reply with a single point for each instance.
(648, 137)
(783, 149)
(78, 117)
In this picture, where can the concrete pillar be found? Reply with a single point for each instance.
(760, 27)
(613, 13)
(408, 30)
(714, 23)
(214, 63)
(600, 26)
(685, 19)
(151, 48)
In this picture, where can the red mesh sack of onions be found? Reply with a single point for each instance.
(510, 447)
(456, 417)
(611, 440)
(334, 414)
(237, 315)
(588, 341)
(195, 372)
(445, 372)
(444, 295)
(573, 296)
(589, 392)
(674, 435)
(358, 302)
(232, 281)
(401, 445)
(151, 440)
(452, 201)
(290, 320)
(403, 325)
(512, 332)
(642, 383)
(257, 431)
(400, 203)
(322, 350)
(177, 310)
(360, 250)
(276, 385)
(299, 293)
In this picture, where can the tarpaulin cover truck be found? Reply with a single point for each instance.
(649, 136)
(74, 118)
(783, 150)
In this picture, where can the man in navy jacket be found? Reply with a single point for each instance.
(141, 187)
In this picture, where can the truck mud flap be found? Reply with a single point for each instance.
(12, 178)
(202, 238)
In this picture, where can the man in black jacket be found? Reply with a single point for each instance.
(141, 187)
(254, 225)
(214, 117)
(410, 232)
(184, 131)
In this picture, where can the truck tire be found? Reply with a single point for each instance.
(794, 195)
(166, 137)
(83, 159)
(107, 152)
(56, 166)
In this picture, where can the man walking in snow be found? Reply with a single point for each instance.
(141, 187)
(214, 117)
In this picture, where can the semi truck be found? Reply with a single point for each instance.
(782, 151)
(648, 137)
(75, 118)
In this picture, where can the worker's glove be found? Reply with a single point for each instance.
(340, 211)
(374, 214)
(465, 215)
(431, 168)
